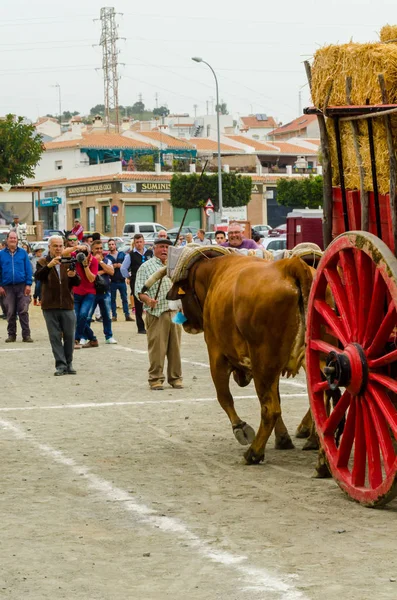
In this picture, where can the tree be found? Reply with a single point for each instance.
(99, 109)
(222, 107)
(67, 115)
(138, 107)
(299, 193)
(145, 162)
(189, 191)
(162, 111)
(20, 150)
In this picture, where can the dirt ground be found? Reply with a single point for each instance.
(110, 491)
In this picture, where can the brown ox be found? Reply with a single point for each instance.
(253, 315)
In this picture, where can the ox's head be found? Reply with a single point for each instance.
(184, 291)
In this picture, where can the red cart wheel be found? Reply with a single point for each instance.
(351, 343)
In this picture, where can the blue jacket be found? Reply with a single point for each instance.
(15, 268)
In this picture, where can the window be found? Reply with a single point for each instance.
(58, 165)
(106, 219)
(91, 219)
(76, 214)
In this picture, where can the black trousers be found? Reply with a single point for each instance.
(61, 326)
(138, 314)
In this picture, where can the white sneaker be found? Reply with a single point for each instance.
(111, 341)
(83, 341)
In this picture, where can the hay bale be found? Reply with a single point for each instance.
(388, 33)
(363, 63)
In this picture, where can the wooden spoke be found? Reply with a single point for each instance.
(337, 414)
(376, 311)
(339, 295)
(387, 359)
(382, 430)
(334, 323)
(321, 387)
(364, 268)
(352, 290)
(360, 453)
(384, 380)
(373, 452)
(384, 331)
(385, 405)
(322, 346)
(347, 440)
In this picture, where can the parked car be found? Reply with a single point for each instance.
(280, 229)
(4, 231)
(119, 242)
(262, 229)
(275, 243)
(172, 233)
(49, 232)
(131, 228)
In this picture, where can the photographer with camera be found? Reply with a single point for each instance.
(84, 296)
(57, 277)
(102, 286)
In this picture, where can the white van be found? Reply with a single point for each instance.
(130, 229)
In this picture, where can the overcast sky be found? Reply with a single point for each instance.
(256, 48)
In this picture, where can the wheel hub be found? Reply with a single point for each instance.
(348, 369)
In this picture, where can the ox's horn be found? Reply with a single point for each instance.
(153, 278)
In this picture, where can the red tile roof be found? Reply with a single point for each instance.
(136, 176)
(287, 148)
(164, 138)
(98, 140)
(209, 145)
(251, 121)
(296, 125)
(259, 146)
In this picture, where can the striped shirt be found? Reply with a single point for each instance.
(165, 284)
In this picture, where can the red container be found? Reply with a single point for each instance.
(305, 225)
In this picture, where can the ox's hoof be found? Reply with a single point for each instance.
(284, 443)
(244, 433)
(252, 458)
(302, 432)
(311, 444)
(322, 472)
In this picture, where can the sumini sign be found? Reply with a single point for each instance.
(92, 189)
(146, 187)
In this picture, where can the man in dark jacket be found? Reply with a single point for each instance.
(133, 260)
(15, 287)
(117, 281)
(57, 302)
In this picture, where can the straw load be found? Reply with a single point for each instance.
(363, 63)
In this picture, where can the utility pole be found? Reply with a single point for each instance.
(156, 97)
(109, 37)
(300, 103)
(59, 103)
(195, 110)
(207, 105)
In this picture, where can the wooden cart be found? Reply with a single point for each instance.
(351, 340)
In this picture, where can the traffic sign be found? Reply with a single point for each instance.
(114, 209)
(209, 204)
(208, 211)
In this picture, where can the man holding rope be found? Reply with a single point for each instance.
(163, 336)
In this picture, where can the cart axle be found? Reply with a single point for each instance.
(348, 369)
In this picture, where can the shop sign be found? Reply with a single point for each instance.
(257, 188)
(43, 202)
(235, 213)
(154, 186)
(92, 189)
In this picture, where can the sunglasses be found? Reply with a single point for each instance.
(72, 239)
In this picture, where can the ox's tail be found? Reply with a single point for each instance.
(302, 274)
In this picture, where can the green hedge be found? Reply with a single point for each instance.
(298, 193)
(188, 192)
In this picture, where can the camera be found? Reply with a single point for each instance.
(69, 261)
(81, 256)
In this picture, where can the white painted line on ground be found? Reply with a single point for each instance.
(23, 349)
(126, 403)
(256, 579)
(200, 364)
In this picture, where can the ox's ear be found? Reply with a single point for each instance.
(177, 291)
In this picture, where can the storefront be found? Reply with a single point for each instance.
(49, 211)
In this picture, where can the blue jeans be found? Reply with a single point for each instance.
(83, 308)
(103, 301)
(37, 290)
(122, 288)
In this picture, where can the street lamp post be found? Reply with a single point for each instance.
(199, 60)
(59, 101)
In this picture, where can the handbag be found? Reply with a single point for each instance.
(101, 285)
